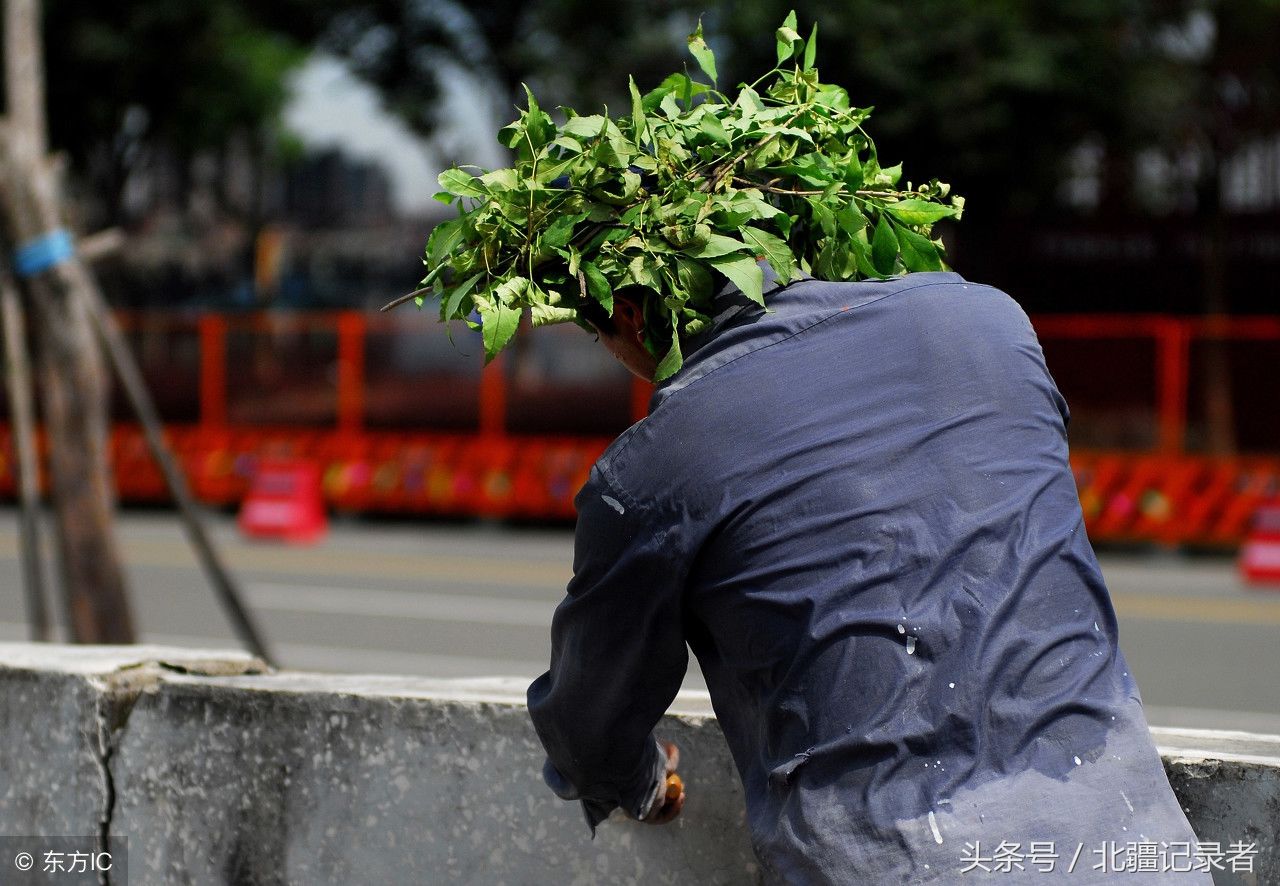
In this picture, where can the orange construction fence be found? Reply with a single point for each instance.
(317, 368)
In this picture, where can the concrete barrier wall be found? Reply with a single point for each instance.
(218, 772)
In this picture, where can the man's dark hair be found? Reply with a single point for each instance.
(594, 313)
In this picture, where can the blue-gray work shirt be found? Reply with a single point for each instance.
(857, 510)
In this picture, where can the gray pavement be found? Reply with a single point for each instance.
(476, 600)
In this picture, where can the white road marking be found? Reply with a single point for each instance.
(469, 609)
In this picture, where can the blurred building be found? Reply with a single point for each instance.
(333, 190)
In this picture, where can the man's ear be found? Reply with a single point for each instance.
(628, 316)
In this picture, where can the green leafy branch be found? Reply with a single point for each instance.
(690, 186)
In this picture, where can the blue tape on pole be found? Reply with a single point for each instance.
(43, 253)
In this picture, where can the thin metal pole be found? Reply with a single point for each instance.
(22, 411)
(135, 388)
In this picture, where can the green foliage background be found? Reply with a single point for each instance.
(990, 95)
(994, 96)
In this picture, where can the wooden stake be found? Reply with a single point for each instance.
(69, 365)
(70, 309)
(22, 412)
(24, 77)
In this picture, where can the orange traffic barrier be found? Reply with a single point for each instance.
(284, 501)
(1260, 555)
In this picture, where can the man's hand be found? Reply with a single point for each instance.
(672, 800)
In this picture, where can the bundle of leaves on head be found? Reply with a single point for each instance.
(690, 185)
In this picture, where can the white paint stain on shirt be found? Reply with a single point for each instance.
(614, 503)
(933, 826)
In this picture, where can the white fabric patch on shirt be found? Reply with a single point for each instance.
(614, 503)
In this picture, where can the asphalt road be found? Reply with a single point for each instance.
(440, 600)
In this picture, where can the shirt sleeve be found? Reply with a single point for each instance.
(618, 656)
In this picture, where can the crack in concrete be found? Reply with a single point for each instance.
(105, 749)
(120, 691)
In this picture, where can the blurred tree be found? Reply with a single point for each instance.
(993, 95)
(127, 80)
(986, 93)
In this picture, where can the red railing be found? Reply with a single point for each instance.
(1173, 337)
(517, 441)
(352, 330)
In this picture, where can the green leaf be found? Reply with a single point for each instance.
(713, 127)
(691, 237)
(539, 126)
(853, 176)
(498, 319)
(643, 271)
(549, 172)
(744, 273)
(590, 127)
(696, 325)
(630, 186)
(887, 176)
(509, 291)
(598, 286)
(445, 238)
(752, 201)
(748, 102)
(716, 246)
(706, 58)
(851, 220)
(918, 252)
(449, 307)
(884, 247)
(673, 87)
(787, 37)
(504, 179)
(461, 183)
(568, 145)
(672, 362)
(836, 98)
(914, 211)
(695, 279)
(638, 122)
(432, 276)
(512, 134)
(774, 250)
(560, 231)
(811, 48)
(547, 315)
(823, 216)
